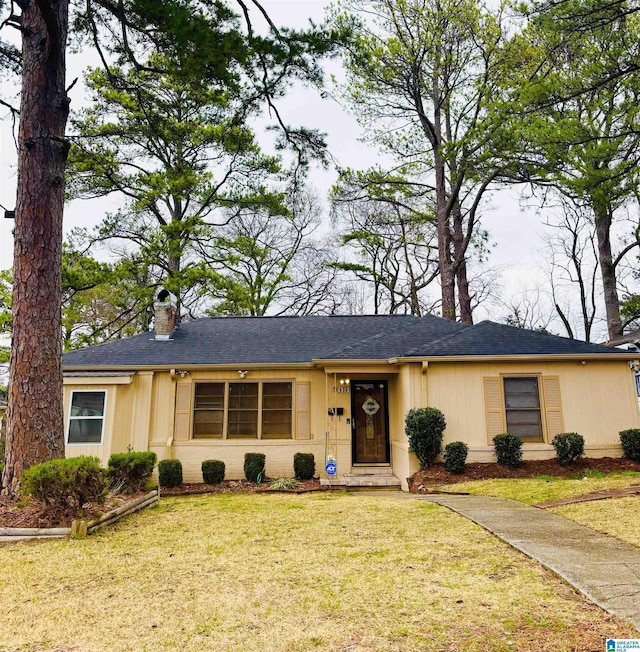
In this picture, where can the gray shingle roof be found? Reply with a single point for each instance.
(490, 339)
(255, 340)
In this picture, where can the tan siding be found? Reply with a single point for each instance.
(141, 420)
(121, 437)
(552, 406)
(182, 430)
(494, 407)
(597, 401)
(303, 417)
(163, 403)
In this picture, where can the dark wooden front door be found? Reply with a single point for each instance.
(370, 422)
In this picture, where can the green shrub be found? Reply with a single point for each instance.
(64, 483)
(569, 447)
(133, 470)
(630, 440)
(508, 448)
(304, 466)
(213, 471)
(455, 456)
(254, 466)
(170, 473)
(424, 428)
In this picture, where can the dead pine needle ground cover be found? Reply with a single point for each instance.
(288, 573)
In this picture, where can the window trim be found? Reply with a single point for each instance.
(225, 424)
(541, 406)
(70, 418)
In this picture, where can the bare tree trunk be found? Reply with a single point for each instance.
(607, 269)
(34, 420)
(447, 276)
(460, 265)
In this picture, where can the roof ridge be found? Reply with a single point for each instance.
(358, 343)
(444, 338)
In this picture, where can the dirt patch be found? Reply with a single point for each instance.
(238, 487)
(437, 474)
(33, 513)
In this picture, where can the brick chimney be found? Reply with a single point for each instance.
(165, 310)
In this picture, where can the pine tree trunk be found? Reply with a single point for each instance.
(34, 420)
(608, 270)
(460, 263)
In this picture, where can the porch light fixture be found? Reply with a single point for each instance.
(344, 381)
(182, 372)
(242, 373)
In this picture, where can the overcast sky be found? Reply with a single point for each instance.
(514, 230)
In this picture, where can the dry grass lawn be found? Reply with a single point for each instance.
(282, 573)
(617, 517)
(544, 488)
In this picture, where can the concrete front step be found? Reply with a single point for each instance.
(363, 480)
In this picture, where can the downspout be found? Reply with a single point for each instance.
(172, 404)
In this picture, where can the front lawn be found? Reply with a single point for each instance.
(617, 517)
(544, 488)
(281, 573)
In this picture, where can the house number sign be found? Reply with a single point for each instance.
(370, 408)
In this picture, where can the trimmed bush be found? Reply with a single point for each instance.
(508, 448)
(133, 470)
(304, 466)
(213, 471)
(424, 428)
(65, 483)
(455, 456)
(170, 473)
(569, 447)
(254, 466)
(630, 440)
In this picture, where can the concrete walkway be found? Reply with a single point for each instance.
(605, 569)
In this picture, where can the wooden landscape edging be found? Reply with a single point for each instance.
(115, 515)
(79, 527)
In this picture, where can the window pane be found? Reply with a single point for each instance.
(277, 404)
(276, 423)
(85, 431)
(521, 393)
(210, 395)
(525, 423)
(243, 396)
(276, 396)
(208, 423)
(87, 404)
(243, 423)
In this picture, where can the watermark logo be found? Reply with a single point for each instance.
(623, 645)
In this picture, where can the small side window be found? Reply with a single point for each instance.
(522, 405)
(86, 417)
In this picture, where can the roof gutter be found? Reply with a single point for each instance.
(624, 356)
(189, 367)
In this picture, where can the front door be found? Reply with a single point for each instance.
(370, 422)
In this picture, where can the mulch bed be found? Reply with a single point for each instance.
(238, 487)
(437, 474)
(32, 512)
